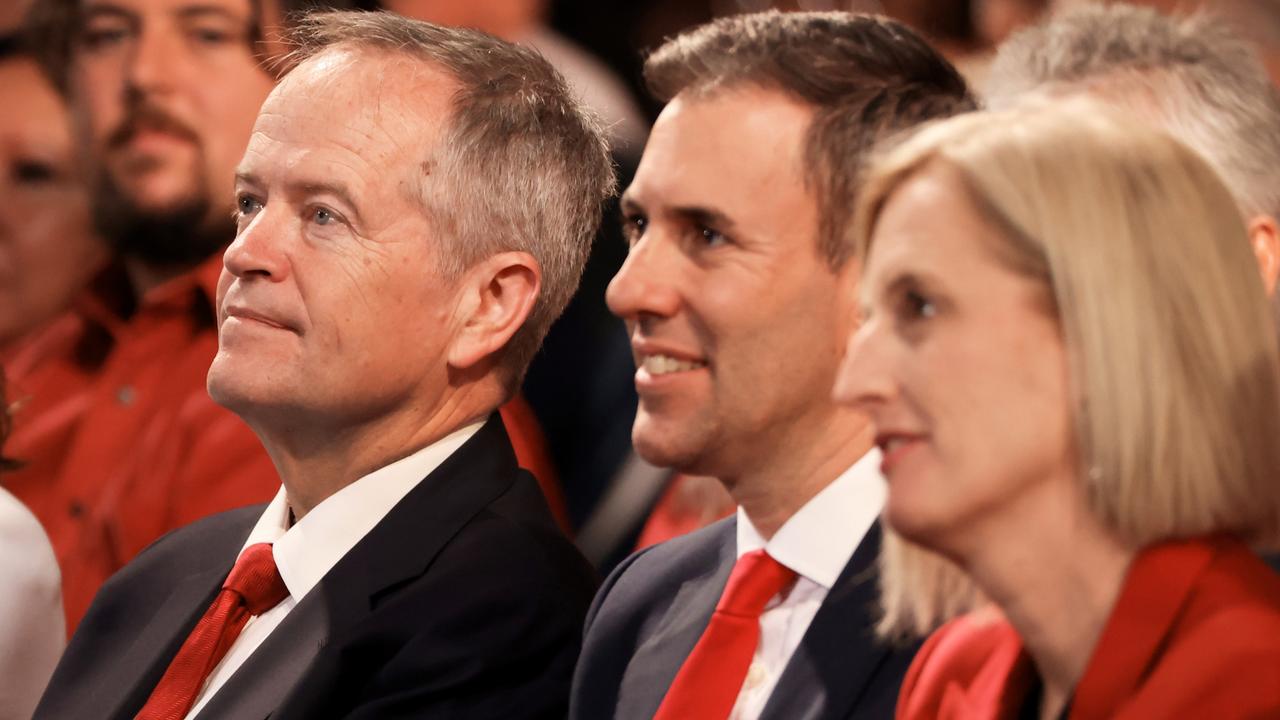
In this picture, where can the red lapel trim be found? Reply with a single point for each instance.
(1155, 592)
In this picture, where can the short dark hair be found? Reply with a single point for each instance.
(523, 164)
(866, 77)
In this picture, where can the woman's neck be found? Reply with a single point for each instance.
(1056, 584)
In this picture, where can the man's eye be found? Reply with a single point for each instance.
(917, 306)
(323, 216)
(247, 205)
(713, 237)
(33, 172)
(633, 227)
(211, 36)
(102, 37)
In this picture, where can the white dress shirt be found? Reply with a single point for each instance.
(305, 552)
(817, 542)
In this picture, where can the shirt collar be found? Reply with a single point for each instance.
(818, 540)
(108, 301)
(306, 551)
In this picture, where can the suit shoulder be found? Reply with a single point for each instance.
(698, 553)
(216, 538)
(1232, 616)
(644, 585)
(516, 534)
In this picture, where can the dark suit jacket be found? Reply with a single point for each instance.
(1195, 633)
(655, 605)
(465, 601)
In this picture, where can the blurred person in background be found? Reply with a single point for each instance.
(738, 295)
(163, 93)
(1258, 21)
(1072, 370)
(32, 630)
(48, 251)
(1193, 77)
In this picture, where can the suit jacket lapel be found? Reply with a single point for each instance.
(149, 655)
(258, 685)
(658, 658)
(397, 549)
(838, 655)
(1155, 592)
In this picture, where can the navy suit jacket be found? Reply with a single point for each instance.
(653, 608)
(465, 601)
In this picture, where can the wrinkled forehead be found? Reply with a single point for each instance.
(401, 99)
(371, 121)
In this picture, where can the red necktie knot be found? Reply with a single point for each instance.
(253, 587)
(709, 681)
(256, 578)
(756, 578)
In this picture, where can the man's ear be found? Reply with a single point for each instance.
(496, 296)
(1264, 237)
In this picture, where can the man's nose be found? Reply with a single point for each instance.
(645, 284)
(258, 249)
(156, 62)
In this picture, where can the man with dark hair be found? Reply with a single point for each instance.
(390, 279)
(739, 296)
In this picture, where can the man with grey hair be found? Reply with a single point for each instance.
(1192, 76)
(413, 211)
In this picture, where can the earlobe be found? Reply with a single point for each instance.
(1264, 237)
(502, 290)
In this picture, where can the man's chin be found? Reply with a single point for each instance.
(665, 445)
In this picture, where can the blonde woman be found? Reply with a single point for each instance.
(1073, 373)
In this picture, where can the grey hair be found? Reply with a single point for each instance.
(523, 165)
(1205, 83)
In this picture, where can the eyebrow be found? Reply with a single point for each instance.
(704, 216)
(312, 187)
(187, 12)
(695, 214)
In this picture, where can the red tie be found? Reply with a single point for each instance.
(708, 683)
(253, 587)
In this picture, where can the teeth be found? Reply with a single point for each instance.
(662, 364)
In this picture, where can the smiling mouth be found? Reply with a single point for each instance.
(893, 447)
(657, 365)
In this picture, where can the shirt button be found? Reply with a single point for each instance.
(755, 675)
(125, 395)
(75, 508)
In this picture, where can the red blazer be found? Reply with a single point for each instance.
(1195, 634)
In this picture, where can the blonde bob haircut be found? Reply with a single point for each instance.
(1170, 341)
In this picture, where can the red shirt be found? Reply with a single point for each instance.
(121, 441)
(120, 438)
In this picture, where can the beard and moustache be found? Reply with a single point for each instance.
(180, 236)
